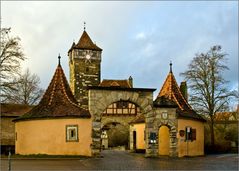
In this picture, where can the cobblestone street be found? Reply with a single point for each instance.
(120, 160)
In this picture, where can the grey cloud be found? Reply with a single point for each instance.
(170, 31)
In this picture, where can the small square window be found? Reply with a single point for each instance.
(71, 133)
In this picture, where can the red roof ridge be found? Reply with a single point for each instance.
(64, 91)
(177, 102)
(164, 84)
(181, 93)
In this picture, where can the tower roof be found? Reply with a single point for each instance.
(170, 95)
(85, 42)
(171, 91)
(115, 83)
(58, 101)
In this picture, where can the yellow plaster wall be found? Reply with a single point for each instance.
(163, 140)
(49, 137)
(196, 147)
(140, 142)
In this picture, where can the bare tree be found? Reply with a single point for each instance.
(208, 91)
(11, 55)
(26, 90)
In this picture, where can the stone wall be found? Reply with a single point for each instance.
(84, 72)
(7, 131)
(154, 121)
(171, 122)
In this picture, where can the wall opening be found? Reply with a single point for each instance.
(134, 140)
(115, 121)
(115, 135)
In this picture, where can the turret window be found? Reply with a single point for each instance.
(72, 133)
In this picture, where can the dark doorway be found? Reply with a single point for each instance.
(134, 140)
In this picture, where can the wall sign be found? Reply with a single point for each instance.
(181, 133)
(165, 115)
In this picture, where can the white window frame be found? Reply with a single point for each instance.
(69, 129)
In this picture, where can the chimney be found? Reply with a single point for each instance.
(130, 81)
(184, 90)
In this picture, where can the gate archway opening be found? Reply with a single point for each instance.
(115, 124)
(117, 135)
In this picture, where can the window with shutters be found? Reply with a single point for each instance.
(190, 134)
(193, 134)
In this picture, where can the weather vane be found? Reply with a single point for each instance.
(170, 66)
(59, 59)
(84, 25)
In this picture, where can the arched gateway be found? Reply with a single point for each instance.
(101, 97)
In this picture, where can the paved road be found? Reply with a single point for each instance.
(119, 160)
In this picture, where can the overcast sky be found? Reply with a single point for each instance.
(137, 38)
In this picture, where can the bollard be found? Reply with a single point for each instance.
(9, 160)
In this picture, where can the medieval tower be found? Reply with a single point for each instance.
(84, 64)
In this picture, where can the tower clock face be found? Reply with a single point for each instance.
(88, 56)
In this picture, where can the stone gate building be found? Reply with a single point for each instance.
(164, 126)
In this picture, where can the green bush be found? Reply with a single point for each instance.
(224, 135)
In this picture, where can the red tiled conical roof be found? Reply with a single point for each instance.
(171, 91)
(58, 101)
(85, 42)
